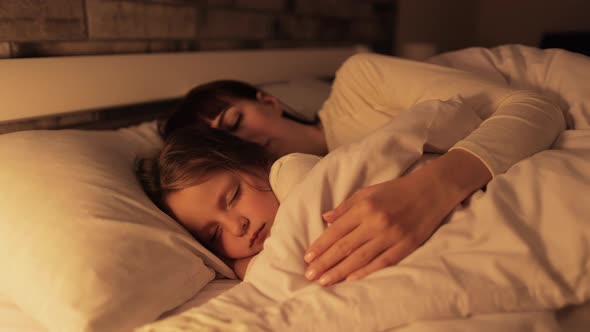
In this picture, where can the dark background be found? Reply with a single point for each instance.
(33, 28)
(409, 28)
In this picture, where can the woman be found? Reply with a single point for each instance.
(368, 91)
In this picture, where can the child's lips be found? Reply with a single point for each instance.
(257, 235)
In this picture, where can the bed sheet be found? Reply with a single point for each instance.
(213, 289)
(12, 319)
(570, 319)
(574, 318)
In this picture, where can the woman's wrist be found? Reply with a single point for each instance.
(460, 173)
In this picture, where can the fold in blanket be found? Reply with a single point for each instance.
(523, 245)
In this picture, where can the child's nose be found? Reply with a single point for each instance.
(240, 226)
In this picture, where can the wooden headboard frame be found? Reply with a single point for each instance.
(38, 87)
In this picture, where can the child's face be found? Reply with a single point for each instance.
(227, 213)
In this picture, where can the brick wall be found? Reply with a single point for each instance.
(40, 28)
(36, 28)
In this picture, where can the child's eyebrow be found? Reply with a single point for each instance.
(219, 198)
(221, 193)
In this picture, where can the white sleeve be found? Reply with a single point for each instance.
(370, 89)
(523, 124)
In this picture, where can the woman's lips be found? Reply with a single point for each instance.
(257, 236)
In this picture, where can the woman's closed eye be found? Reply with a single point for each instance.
(233, 124)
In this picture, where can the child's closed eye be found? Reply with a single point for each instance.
(235, 195)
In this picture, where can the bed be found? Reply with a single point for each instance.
(70, 188)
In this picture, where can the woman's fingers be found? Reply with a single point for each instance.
(327, 239)
(335, 232)
(334, 214)
(389, 257)
(341, 249)
(372, 256)
(359, 258)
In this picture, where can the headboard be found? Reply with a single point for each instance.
(42, 87)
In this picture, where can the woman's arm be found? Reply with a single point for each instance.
(382, 224)
(370, 89)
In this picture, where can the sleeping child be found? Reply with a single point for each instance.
(217, 186)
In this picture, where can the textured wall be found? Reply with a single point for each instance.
(31, 28)
(38, 28)
(455, 24)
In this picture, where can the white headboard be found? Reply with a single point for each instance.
(45, 86)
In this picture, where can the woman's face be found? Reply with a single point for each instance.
(228, 213)
(260, 121)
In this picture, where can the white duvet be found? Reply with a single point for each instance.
(504, 259)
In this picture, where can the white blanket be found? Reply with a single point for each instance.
(522, 247)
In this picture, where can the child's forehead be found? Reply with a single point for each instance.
(209, 193)
(219, 177)
(207, 185)
(221, 181)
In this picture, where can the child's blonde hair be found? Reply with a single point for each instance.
(191, 154)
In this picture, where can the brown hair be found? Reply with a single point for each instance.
(190, 154)
(205, 102)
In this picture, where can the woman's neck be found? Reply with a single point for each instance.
(315, 134)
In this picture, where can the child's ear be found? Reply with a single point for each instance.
(266, 98)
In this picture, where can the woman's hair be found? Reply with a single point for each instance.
(191, 154)
(205, 102)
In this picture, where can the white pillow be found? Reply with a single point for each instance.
(82, 247)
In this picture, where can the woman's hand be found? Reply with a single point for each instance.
(381, 224)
